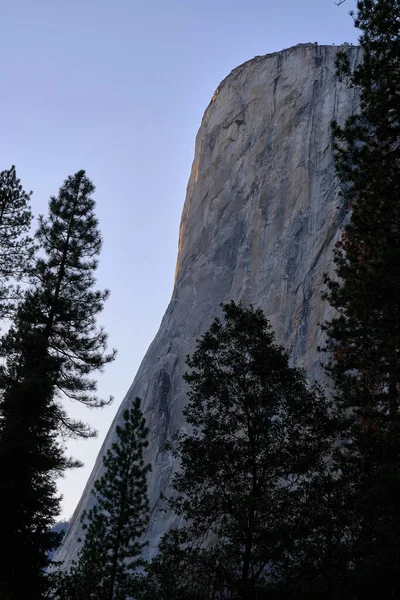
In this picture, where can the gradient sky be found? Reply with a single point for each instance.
(119, 89)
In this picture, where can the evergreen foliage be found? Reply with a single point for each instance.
(115, 525)
(16, 246)
(259, 436)
(50, 350)
(63, 298)
(180, 571)
(364, 336)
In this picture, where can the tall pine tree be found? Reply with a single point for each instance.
(114, 526)
(49, 352)
(16, 246)
(364, 336)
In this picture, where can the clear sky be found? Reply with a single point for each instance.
(118, 88)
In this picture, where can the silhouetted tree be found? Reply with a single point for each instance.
(50, 351)
(115, 525)
(180, 571)
(364, 334)
(16, 246)
(258, 438)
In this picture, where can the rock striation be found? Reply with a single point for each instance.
(259, 223)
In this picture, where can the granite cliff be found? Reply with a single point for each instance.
(259, 223)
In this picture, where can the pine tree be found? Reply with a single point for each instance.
(259, 437)
(114, 526)
(49, 352)
(364, 336)
(180, 571)
(63, 300)
(16, 246)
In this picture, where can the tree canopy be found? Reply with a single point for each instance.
(51, 348)
(258, 438)
(364, 335)
(114, 527)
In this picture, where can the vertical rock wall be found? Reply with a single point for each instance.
(259, 223)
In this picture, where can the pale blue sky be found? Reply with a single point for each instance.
(118, 88)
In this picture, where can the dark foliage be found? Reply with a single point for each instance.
(111, 551)
(50, 349)
(259, 436)
(16, 246)
(364, 336)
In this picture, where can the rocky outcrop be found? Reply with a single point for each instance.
(259, 223)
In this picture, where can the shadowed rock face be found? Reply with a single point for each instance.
(259, 223)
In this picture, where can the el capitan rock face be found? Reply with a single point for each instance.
(259, 224)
